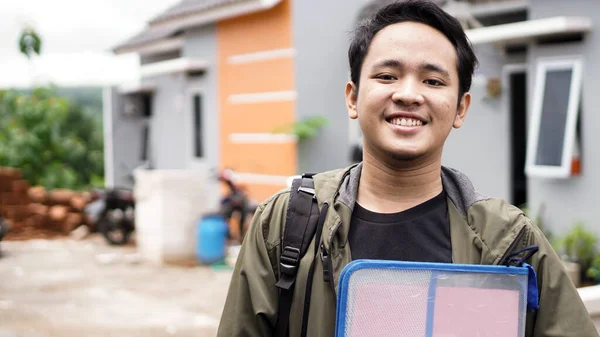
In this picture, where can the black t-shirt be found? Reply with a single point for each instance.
(420, 234)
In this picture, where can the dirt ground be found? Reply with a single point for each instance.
(67, 288)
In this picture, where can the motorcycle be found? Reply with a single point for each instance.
(113, 210)
(3, 231)
(113, 213)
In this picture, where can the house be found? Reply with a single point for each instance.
(218, 76)
(529, 135)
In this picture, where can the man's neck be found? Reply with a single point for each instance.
(390, 189)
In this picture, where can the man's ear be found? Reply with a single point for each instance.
(351, 97)
(461, 112)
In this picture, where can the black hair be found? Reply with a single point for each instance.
(420, 11)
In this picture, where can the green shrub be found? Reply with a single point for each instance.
(54, 142)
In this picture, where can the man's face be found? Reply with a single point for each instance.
(408, 96)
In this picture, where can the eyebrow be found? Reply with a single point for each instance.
(391, 63)
(436, 69)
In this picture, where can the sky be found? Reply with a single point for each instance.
(77, 39)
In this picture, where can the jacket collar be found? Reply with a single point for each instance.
(340, 188)
(457, 186)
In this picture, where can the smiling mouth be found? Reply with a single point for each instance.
(404, 121)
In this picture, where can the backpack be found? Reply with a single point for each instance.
(303, 221)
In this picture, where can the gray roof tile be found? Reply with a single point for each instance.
(155, 31)
(186, 7)
(149, 35)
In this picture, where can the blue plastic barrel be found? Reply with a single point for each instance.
(212, 238)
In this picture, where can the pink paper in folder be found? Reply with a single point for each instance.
(476, 312)
(401, 310)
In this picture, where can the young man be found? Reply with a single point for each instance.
(411, 69)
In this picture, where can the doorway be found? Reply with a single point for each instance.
(517, 86)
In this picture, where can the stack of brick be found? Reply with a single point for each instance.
(33, 212)
(13, 197)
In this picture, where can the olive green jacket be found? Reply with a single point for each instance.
(482, 229)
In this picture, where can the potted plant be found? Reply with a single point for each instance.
(593, 271)
(579, 246)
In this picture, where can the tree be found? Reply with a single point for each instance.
(56, 143)
(30, 42)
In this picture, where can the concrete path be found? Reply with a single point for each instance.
(71, 288)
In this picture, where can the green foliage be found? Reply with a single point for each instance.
(54, 142)
(580, 245)
(593, 271)
(30, 42)
(89, 98)
(305, 128)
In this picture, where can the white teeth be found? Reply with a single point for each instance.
(406, 122)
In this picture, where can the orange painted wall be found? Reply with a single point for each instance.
(257, 117)
(262, 31)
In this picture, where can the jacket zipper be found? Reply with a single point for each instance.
(326, 256)
(324, 253)
(512, 246)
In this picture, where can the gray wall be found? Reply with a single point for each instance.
(321, 37)
(202, 43)
(145, 59)
(171, 145)
(576, 198)
(126, 141)
(481, 147)
(166, 137)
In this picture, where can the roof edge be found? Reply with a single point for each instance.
(197, 19)
(157, 46)
(530, 29)
(215, 14)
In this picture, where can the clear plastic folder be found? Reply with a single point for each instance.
(389, 298)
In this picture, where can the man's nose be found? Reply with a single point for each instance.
(407, 93)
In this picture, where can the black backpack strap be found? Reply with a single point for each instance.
(311, 270)
(300, 227)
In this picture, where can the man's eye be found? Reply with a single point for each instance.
(386, 77)
(434, 83)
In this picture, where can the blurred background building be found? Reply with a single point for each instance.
(218, 79)
(177, 87)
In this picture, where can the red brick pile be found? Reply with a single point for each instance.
(33, 212)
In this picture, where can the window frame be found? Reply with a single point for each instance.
(575, 64)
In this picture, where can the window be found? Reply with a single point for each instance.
(554, 118)
(145, 141)
(197, 110)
